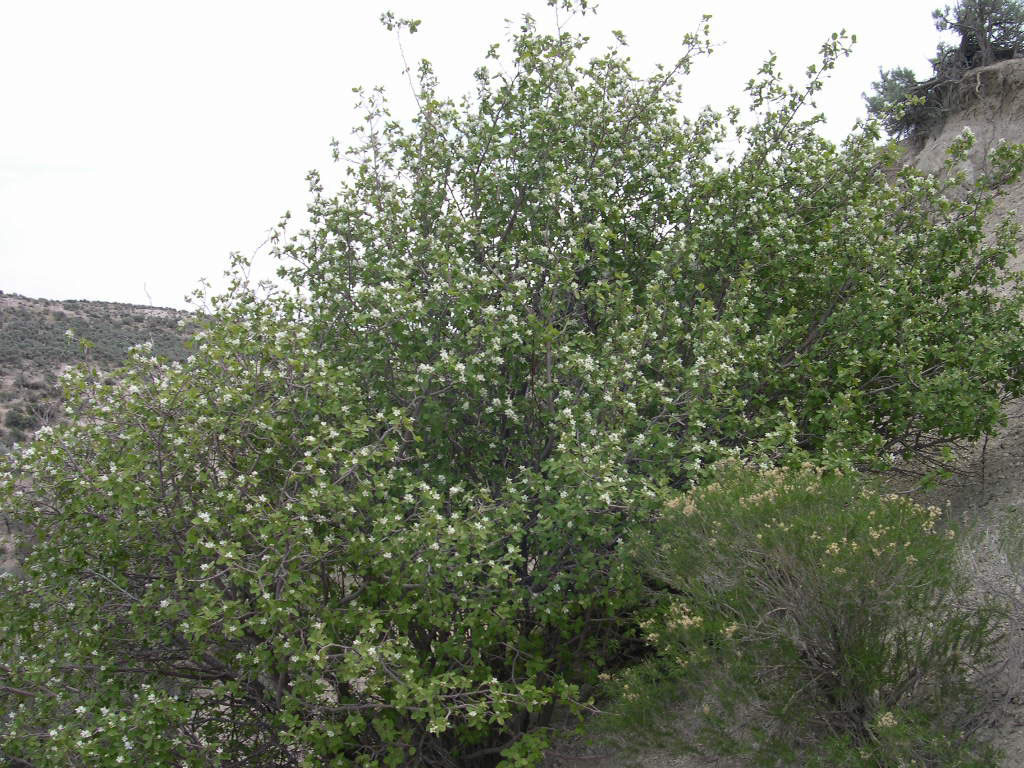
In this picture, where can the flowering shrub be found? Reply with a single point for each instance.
(378, 520)
(812, 618)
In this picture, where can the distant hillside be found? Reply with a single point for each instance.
(34, 350)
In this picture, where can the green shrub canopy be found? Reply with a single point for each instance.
(376, 520)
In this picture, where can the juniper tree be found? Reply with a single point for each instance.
(989, 31)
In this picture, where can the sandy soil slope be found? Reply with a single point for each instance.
(988, 496)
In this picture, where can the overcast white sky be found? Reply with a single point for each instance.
(141, 142)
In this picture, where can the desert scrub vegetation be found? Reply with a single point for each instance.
(810, 618)
(35, 348)
(380, 514)
(32, 332)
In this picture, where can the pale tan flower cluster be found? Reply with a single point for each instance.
(677, 617)
(688, 502)
(886, 720)
(767, 495)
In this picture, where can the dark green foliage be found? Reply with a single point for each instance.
(22, 420)
(989, 31)
(894, 103)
